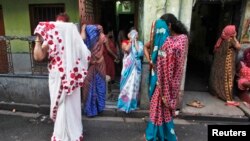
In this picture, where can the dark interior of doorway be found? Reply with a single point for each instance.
(109, 18)
(208, 20)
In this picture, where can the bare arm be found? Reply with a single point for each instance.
(83, 33)
(146, 51)
(237, 45)
(40, 51)
(234, 42)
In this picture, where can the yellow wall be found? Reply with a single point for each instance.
(17, 22)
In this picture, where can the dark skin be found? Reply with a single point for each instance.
(146, 50)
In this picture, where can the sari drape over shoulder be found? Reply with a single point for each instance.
(68, 63)
(160, 33)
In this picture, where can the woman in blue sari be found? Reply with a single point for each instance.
(94, 88)
(131, 73)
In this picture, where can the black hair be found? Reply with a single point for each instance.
(108, 28)
(176, 25)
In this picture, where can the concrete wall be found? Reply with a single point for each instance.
(21, 63)
(152, 11)
(245, 33)
(244, 30)
(24, 89)
(17, 22)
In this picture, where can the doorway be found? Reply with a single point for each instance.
(208, 20)
(116, 15)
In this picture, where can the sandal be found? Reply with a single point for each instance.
(232, 103)
(246, 104)
(196, 104)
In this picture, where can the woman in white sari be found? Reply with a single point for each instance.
(68, 64)
(131, 73)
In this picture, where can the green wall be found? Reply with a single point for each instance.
(16, 18)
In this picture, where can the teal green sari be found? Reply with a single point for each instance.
(161, 32)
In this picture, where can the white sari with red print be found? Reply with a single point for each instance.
(68, 64)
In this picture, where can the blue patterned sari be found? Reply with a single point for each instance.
(130, 79)
(94, 89)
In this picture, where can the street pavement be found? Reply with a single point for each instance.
(18, 126)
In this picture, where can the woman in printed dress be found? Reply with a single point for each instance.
(94, 89)
(224, 65)
(169, 68)
(131, 73)
(68, 63)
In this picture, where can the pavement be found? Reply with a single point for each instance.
(19, 126)
(214, 109)
(25, 122)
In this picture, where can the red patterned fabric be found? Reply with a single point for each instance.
(125, 41)
(170, 64)
(227, 32)
(244, 76)
(68, 64)
(72, 73)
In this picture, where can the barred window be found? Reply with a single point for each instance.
(43, 12)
